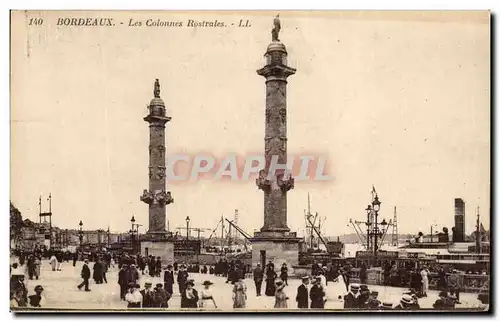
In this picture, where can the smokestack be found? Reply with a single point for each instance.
(459, 220)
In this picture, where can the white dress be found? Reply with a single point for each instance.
(425, 280)
(206, 299)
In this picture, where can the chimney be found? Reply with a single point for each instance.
(459, 220)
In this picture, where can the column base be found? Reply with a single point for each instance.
(275, 246)
(158, 248)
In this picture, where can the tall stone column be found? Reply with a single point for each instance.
(275, 184)
(274, 242)
(156, 196)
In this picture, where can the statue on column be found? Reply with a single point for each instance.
(157, 89)
(277, 27)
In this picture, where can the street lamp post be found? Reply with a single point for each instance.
(80, 233)
(108, 238)
(132, 237)
(187, 227)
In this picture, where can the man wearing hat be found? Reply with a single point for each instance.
(386, 305)
(37, 299)
(147, 295)
(302, 297)
(160, 296)
(317, 295)
(373, 302)
(168, 280)
(258, 277)
(454, 284)
(182, 278)
(123, 281)
(405, 303)
(351, 299)
(85, 273)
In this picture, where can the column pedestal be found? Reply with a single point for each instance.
(158, 245)
(277, 247)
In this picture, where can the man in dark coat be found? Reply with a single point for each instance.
(75, 258)
(123, 281)
(85, 274)
(98, 272)
(147, 296)
(284, 274)
(302, 297)
(168, 280)
(182, 278)
(258, 277)
(351, 299)
(161, 297)
(373, 302)
(158, 266)
(317, 295)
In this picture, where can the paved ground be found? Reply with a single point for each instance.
(61, 292)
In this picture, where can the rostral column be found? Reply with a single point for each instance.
(156, 196)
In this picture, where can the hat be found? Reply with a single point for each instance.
(305, 278)
(406, 299)
(137, 286)
(159, 285)
(363, 287)
(374, 293)
(131, 284)
(443, 294)
(354, 287)
(207, 283)
(38, 288)
(148, 284)
(190, 282)
(132, 265)
(279, 283)
(169, 266)
(387, 305)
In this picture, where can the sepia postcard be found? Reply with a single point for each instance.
(250, 161)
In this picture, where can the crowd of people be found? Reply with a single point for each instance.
(311, 294)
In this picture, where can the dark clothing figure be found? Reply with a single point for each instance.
(158, 267)
(98, 272)
(317, 295)
(442, 281)
(187, 302)
(258, 277)
(75, 258)
(147, 298)
(302, 297)
(270, 278)
(85, 274)
(34, 300)
(284, 274)
(363, 274)
(168, 281)
(161, 298)
(182, 277)
(373, 304)
(351, 302)
(123, 282)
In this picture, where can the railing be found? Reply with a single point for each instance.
(471, 283)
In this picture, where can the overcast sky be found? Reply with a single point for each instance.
(401, 101)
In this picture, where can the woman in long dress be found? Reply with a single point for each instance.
(270, 278)
(280, 296)
(239, 294)
(189, 296)
(425, 280)
(206, 298)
